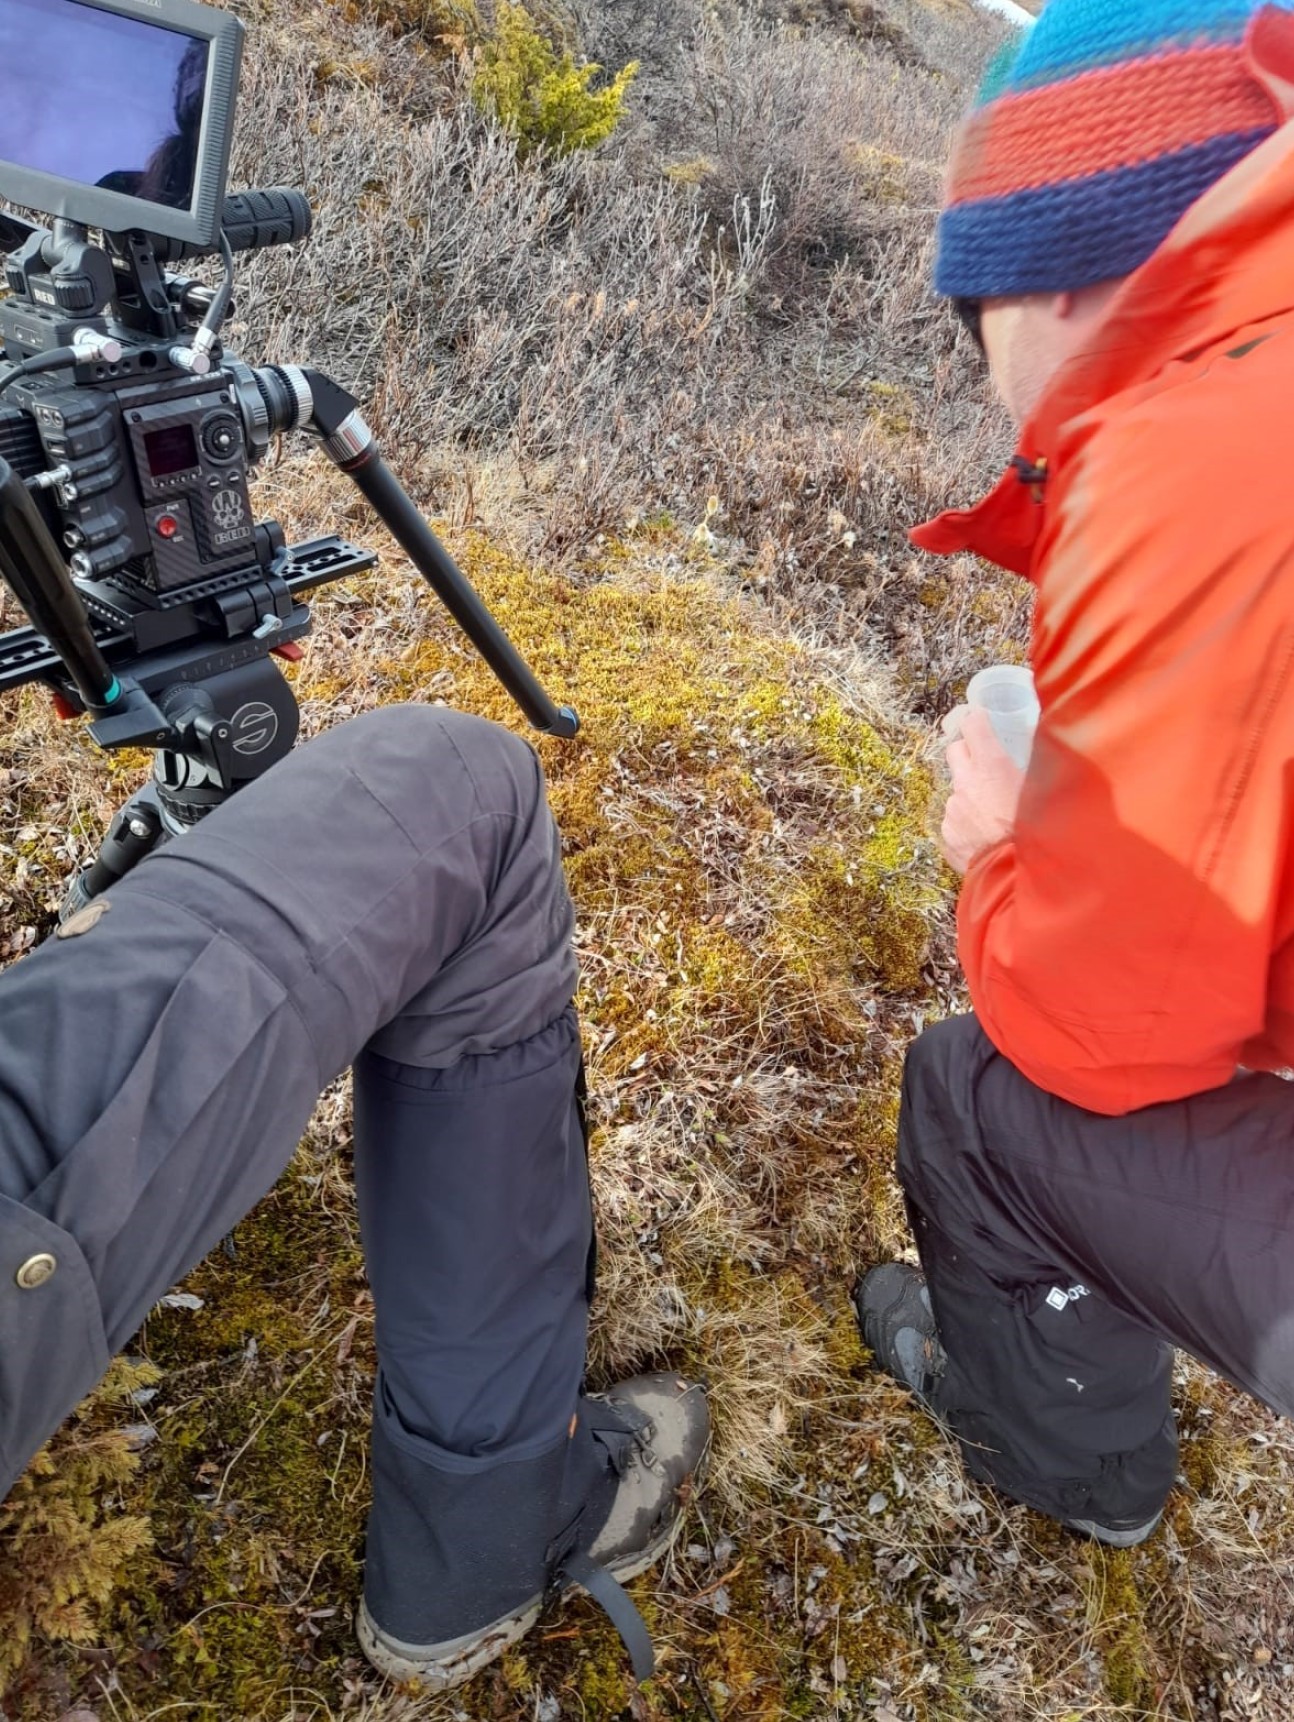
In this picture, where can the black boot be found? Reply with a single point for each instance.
(899, 1330)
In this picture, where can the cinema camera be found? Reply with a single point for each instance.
(127, 431)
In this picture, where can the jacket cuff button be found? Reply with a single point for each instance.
(35, 1271)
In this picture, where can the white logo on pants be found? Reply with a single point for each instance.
(1058, 1299)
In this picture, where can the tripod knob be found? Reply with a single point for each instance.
(201, 732)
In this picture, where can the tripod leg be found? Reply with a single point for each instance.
(134, 833)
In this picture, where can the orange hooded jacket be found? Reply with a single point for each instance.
(1133, 941)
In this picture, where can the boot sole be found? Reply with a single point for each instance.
(440, 1668)
(1114, 1537)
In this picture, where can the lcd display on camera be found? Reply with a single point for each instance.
(100, 98)
(174, 449)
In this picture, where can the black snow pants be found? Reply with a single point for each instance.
(1068, 1253)
(389, 897)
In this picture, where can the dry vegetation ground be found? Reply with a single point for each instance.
(675, 406)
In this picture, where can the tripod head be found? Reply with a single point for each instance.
(127, 432)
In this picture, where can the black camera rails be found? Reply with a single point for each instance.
(157, 602)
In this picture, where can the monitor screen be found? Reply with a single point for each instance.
(109, 111)
(103, 99)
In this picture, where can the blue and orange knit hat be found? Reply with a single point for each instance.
(1094, 133)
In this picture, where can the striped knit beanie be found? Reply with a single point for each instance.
(1094, 133)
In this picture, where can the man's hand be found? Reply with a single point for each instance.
(986, 791)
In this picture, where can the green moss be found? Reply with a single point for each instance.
(880, 1223)
(844, 1344)
(692, 716)
(254, 1288)
(601, 1679)
(850, 917)
(1117, 1617)
(737, 843)
(694, 171)
(1207, 1449)
(775, 1659)
(883, 177)
(958, 1693)
(256, 1488)
(891, 409)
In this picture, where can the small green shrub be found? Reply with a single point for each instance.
(544, 101)
(62, 1550)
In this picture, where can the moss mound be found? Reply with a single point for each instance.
(747, 858)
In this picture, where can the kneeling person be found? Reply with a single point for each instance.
(1093, 1172)
(389, 897)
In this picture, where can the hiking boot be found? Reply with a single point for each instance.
(1121, 1534)
(659, 1433)
(669, 1449)
(898, 1325)
(893, 1306)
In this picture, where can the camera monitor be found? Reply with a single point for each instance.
(119, 114)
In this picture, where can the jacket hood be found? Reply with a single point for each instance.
(1227, 265)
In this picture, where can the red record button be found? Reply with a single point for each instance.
(166, 526)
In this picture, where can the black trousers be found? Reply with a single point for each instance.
(1068, 1253)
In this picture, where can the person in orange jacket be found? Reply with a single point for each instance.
(1099, 1162)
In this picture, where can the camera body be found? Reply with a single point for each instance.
(131, 429)
(151, 465)
(157, 601)
(138, 446)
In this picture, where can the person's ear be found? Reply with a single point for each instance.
(1063, 305)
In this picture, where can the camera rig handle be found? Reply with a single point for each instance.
(391, 503)
(334, 416)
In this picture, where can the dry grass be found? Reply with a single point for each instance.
(732, 305)
(679, 462)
